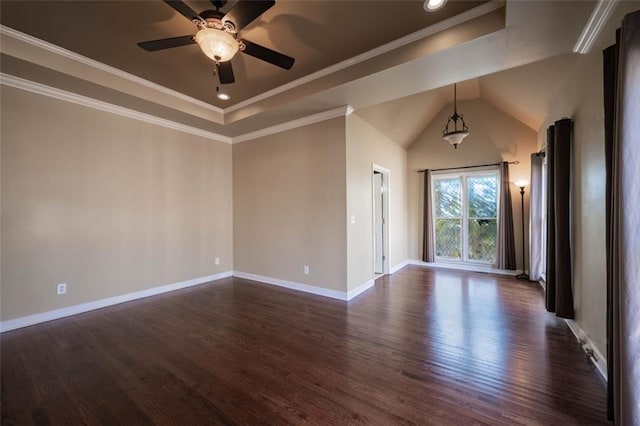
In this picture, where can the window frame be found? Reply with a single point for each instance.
(463, 175)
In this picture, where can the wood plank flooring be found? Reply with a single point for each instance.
(423, 346)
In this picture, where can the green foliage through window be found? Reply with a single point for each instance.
(448, 238)
(466, 209)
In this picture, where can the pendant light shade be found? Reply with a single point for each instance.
(453, 133)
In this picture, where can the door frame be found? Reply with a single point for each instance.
(386, 185)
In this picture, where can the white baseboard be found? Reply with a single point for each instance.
(463, 267)
(360, 289)
(598, 359)
(399, 266)
(25, 321)
(320, 291)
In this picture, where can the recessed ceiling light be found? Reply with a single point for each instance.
(221, 95)
(433, 5)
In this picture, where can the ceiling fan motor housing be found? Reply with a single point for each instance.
(213, 19)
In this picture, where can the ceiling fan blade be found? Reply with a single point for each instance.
(166, 43)
(264, 53)
(183, 9)
(245, 12)
(225, 72)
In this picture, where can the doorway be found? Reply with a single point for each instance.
(380, 185)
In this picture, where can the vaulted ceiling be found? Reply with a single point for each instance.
(391, 61)
(522, 92)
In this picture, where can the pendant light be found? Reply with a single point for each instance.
(451, 132)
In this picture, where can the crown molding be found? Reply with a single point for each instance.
(483, 9)
(49, 47)
(293, 124)
(599, 17)
(63, 95)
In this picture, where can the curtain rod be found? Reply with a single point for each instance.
(467, 167)
(542, 150)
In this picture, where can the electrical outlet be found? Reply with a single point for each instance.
(217, 261)
(305, 269)
(62, 288)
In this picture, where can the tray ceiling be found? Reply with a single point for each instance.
(317, 34)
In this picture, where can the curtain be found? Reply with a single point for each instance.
(559, 294)
(535, 218)
(550, 294)
(610, 61)
(506, 256)
(622, 154)
(428, 240)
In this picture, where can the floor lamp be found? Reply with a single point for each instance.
(522, 184)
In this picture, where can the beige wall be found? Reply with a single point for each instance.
(588, 190)
(367, 146)
(107, 204)
(579, 96)
(494, 137)
(289, 203)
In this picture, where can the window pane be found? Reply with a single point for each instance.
(483, 192)
(482, 239)
(447, 197)
(448, 238)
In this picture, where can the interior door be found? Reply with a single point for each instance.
(378, 223)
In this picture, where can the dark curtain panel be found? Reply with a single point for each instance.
(627, 170)
(428, 240)
(550, 296)
(506, 258)
(560, 293)
(610, 71)
(562, 210)
(622, 148)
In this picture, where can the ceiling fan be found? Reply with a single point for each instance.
(217, 35)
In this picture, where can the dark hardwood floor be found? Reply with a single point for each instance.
(423, 346)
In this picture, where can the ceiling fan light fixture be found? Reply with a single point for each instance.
(218, 45)
(433, 5)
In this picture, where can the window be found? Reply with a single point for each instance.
(466, 216)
